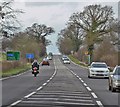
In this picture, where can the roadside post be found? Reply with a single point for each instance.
(88, 57)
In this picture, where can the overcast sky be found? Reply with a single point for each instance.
(54, 14)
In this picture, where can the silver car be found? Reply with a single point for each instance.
(98, 69)
(114, 79)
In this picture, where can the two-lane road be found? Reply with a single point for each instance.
(17, 87)
(58, 85)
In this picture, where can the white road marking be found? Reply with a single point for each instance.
(88, 88)
(48, 81)
(82, 80)
(15, 103)
(44, 84)
(39, 88)
(85, 84)
(51, 78)
(99, 103)
(29, 94)
(94, 95)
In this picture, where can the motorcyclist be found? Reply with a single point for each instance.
(35, 64)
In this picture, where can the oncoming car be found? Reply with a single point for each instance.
(114, 79)
(98, 69)
(66, 61)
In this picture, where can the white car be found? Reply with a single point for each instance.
(66, 61)
(98, 69)
(114, 79)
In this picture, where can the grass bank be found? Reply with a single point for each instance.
(77, 61)
(15, 71)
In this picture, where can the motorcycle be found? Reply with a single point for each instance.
(35, 71)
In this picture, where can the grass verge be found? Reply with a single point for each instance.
(15, 71)
(75, 60)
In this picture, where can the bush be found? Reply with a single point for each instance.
(7, 65)
(111, 60)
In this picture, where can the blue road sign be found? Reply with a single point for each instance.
(29, 55)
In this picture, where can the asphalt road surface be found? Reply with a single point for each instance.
(58, 85)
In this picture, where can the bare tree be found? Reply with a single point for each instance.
(10, 22)
(95, 22)
(40, 32)
(72, 32)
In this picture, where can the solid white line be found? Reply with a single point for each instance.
(29, 94)
(94, 95)
(99, 103)
(85, 84)
(39, 88)
(88, 89)
(15, 103)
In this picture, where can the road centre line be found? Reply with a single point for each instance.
(94, 95)
(85, 84)
(39, 88)
(82, 81)
(44, 84)
(48, 81)
(99, 103)
(88, 88)
(13, 104)
(29, 94)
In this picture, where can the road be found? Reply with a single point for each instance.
(57, 85)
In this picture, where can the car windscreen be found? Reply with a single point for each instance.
(99, 65)
(117, 71)
(66, 59)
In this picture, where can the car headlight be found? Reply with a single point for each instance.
(92, 70)
(115, 80)
(107, 71)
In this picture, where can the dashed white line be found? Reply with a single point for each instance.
(85, 84)
(99, 103)
(44, 84)
(94, 95)
(15, 103)
(51, 78)
(88, 88)
(29, 94)
(48, 81)
(39, 88)
(82, 80)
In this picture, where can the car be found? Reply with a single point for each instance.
(98, 69)
(49, 57)
(66, 61)
(114, 79)
(64, 57)
(45, 62)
